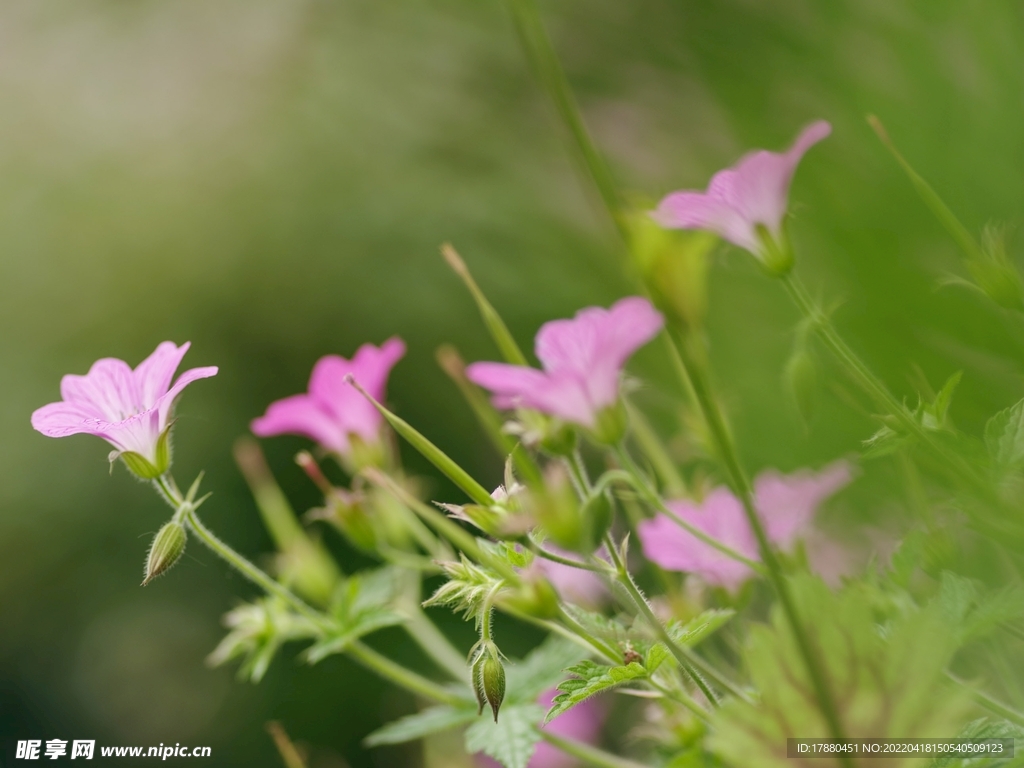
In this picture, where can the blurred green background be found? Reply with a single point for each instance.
(271, 180)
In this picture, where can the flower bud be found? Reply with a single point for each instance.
(142, 467)
(347, 512)
(554, 506)
(534, 596)
(611, 424)
(167, 547)
(492, 674)
(597, 519)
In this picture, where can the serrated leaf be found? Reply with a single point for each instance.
(884, 442)
(512, 740)
(700, 627)
(424, 723)
(542, 669)
(591, 679)
(982, 728)
(935, 415)
(655, 657)
(1004, 437)
(884, 685)
(973, 615)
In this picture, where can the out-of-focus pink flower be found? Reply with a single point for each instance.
(582, 361)
(333, 411)
(786, 504)
(753, 193)
(130, 409)
(581, 723)
(575, 585)
(719, 516)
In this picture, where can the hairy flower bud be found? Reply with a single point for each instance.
(492, 681)
(597, 519)
(167, 547)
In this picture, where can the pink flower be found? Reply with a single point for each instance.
(752, 194)
(333, 411)
(582, 361)
(575, 585)
(786, 504)
(130, 409)
(581, 723)
(719, 516)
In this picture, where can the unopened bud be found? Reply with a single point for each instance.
(534, 596)
(611, 424)
(597, 519)
(493, 682)
(555, 507)
(167, 547)
(347, 512)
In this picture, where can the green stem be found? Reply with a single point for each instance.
(635, 480)
(402, 677)
(433, 641)
(988, 702)
(545, 63)
(741, 486)
(588, 754)
(256, 575)
(538, 550)
(694, 666)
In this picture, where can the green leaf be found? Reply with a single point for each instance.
(972, 615)
(656, 656)
(512, 740)
(983, 728)
(700, 627)
(1004, 437)
(424, 723)
(935, 414)
(339, 640)
(542, 669)
(591, 679)
(883, 686)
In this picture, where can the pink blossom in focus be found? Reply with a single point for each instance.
(786, 504)
(753, 192)
(581, 723)
(582, 361)
(332, 410)
(130, 409)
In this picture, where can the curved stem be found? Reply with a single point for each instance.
(547, 554)
(402, 677)
(256, 575)
(636, 481)
(993, 705)
(688, 660)
(588, 754)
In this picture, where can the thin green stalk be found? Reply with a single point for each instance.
(694, 666)
(546, 65)
(402, 677)
(588, 754)
(993, 705)
(256, 575)
(539, 551)
(741, 486)
(635, 480)
(433, 641)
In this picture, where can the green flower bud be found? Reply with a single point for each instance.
(534, 597)
(142, 467)
(492, 674)
(347, 512)
(554, 506)
(476, 674)
(611, 424)
(166, 549)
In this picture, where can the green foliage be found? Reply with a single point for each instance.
(467, 588)
(700, 627)
(972, 615)
(1004, 438)
(257, 630)
(512, 740)
(424, 723)
(361, 606)
(885, 683)
(931, 415)
(983, 728)
(542, 669)
(590, 679)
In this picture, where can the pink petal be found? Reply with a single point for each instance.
(697, 210)
(107, 391)
(301, 415)
(63, 419)
(721, 517)
(561, 395)
(165, 403)
(371, 366)
(787, 503)
(154, 374)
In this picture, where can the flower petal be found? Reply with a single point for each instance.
(561, 395)
(698, 210)
(301, 415)
(165, 402)
(787, 503)
(721, 517)
(154, 374)
(107, 391)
